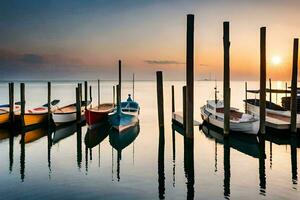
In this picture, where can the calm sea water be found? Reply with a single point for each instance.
(149, 167)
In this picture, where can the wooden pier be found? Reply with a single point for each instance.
(177, 118)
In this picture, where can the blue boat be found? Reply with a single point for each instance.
(125, 115)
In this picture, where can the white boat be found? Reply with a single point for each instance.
(213, 113)
(67, 113)
(272, 108)
(276, 116)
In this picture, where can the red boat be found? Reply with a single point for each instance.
(99, 113)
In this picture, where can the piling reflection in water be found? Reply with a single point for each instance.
(22, 156)
(120, 140)
(49, 145)
(174, 155)
(189, 166)
(11, 152)
(79, 146)
(226, 168)
(246, 144)
(294, 159)
(161, 163)
(262, 166)
(188, 160)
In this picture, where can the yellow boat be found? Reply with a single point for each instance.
(34, 135)
(33, 118)
(36, 116)
(4, 116)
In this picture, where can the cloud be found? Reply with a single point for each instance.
(12, 57)
(163, 62)
(32, 59)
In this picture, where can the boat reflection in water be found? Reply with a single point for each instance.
(246, 144)
(294, 142)
(30, 136)
(34, 135)
(94, 136)
(120, 140)
(4, 134)
(64, 131)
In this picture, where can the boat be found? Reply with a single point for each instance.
(94, 115)
(125, 115)
(4, 113)
(213, 113)
(276, 116)
(63, 132)
(97, 114)
(4, 117)
(96, 134)
(67, 113)
(37, 115)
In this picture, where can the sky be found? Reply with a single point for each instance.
(78, 39)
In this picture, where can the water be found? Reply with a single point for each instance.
(149, 168)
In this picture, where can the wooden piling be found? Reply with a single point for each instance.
(160, 98)
(98, 87)
(294, 87)
(78, 105)
(133, 79)
(190, 77)
(262, 91)
(114, 95)
(120, 77)
(22, 99)
(184, 98)
(173, 99)
(49, 102)
(85, 94)
(226, 83)
(286, 89)
(270, 97)
(246, 97)
(91, 93)
(118, 99)
(11, 102)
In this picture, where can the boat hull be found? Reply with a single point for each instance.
(60, 118)
(278, 120)
(122, 121)
(4, 118)
(94, 117)
(242, 127)
(31, 119)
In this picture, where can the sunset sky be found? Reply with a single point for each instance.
(77, 39)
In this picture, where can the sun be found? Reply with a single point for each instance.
(276, 60)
